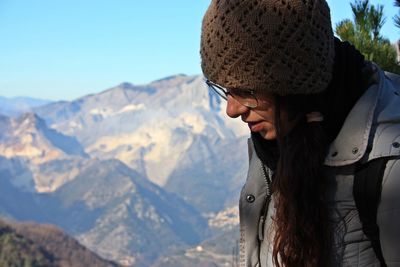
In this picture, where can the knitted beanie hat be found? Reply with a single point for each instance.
(275, 46)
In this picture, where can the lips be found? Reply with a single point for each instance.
(255, 126)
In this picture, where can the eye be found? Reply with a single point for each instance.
(242, 93)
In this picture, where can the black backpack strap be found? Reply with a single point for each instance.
(367, 195)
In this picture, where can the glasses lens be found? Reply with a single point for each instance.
(250, 102)
(245, 98)
(219, 90)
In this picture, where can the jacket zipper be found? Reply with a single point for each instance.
(268, 180)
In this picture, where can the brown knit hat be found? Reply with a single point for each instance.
(276, 46)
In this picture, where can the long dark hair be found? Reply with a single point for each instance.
(302, 236)
(302, 233)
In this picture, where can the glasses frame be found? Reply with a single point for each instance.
(225, 92)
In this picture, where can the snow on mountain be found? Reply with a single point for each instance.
(107, 112)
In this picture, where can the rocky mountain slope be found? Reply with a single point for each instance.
(141, 115)
(28, 141)
(137, 174)
(172, 131)
(113, 210)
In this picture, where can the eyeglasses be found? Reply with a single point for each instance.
(245, 97)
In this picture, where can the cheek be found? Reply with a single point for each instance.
(267, 115)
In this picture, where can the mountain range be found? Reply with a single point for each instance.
(137, 174)
(17, 105)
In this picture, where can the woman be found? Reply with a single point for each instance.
(316, 110)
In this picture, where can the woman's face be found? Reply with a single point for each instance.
(260, 119)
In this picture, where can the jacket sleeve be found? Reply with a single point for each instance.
(389, 214)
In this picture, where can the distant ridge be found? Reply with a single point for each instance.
(171, 77)
(126, 85)
(18, 105)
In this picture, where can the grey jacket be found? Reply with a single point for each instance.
(373, 122)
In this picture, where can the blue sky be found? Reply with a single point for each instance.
(64, 49)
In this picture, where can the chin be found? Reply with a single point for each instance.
(268, 135)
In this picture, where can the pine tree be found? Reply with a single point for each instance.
(364, 33)
(397, 17)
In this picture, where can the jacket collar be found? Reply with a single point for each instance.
(376, 106)
(351, 143)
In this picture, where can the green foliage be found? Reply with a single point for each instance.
(364, 34)
(397, 17)
(33, 245)
(16, 251)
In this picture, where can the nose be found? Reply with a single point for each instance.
(234, 109)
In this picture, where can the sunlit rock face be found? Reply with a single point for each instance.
(27, 139)
(172, 131)
(134, 172)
